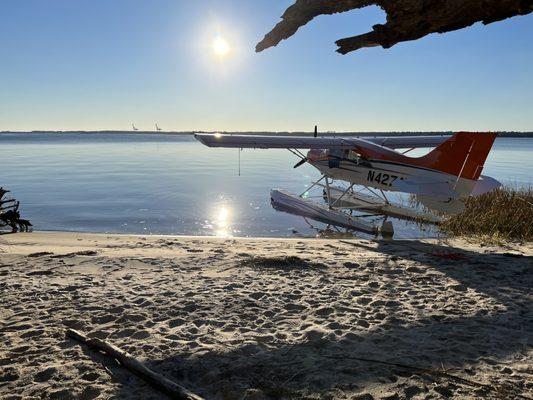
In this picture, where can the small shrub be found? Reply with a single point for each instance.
(503, 214)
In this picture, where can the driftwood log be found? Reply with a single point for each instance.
(406, 19)
(10, 215)
(165, 385)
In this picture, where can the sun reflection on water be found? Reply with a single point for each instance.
(222, 222)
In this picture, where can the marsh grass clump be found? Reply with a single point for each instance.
(503, 214)
(283, 263)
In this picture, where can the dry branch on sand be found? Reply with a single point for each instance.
(158, 381)
(406, 19)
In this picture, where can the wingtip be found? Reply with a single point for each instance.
(199, 137)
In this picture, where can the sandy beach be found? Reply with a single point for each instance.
(266, 318)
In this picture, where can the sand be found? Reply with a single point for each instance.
(237, 319)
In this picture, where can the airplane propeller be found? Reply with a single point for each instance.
(304, 160)
(301, 162)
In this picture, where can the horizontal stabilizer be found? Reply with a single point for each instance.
(484, 185)
(450, 206)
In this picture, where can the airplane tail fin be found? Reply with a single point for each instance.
(463, 155)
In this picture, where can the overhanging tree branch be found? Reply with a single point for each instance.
(406, 19)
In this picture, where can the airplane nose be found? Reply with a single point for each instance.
(314, 154)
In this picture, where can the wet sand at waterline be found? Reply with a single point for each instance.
(266, 318)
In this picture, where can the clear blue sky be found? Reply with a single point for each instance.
(100, 64)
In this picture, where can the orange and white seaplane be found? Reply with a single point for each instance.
(440, 181)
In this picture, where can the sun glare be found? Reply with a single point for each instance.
(220, 47)
(222, 222)
(222, 217)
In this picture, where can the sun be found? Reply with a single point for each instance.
(220, 47)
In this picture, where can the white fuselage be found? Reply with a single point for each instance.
(391, 176)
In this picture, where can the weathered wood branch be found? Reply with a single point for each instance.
(406, 19)
(10, 215)
(158, 381)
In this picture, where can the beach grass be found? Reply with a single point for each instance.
(502, 215)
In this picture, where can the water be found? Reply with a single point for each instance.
(163, 184)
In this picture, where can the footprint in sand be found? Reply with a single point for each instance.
(364, 300)
(90, 376)
(324, 311)
(363, 323)
(103, 319)
(257, 295)
(392, 304)
(176, 322)
(61, 395)
(8, 375)
(125, 333)
(45, 375)
(380, 316)
(99, 334)
(336, 326)
(294, 307)
(139, 335)
(32, 333)
(19, 327)
(20, 349)
(172, 337)
(89, 393)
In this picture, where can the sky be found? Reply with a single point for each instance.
(103, 65)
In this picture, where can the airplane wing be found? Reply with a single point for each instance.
(301, 142)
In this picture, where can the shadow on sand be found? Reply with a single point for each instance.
(465, 343)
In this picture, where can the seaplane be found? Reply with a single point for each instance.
(357, 174)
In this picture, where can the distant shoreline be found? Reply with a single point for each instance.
(187, 133)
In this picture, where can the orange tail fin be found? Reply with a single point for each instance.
(463, 155)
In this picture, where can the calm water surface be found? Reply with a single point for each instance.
(163, 184)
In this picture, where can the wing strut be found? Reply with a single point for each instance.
(239, 151)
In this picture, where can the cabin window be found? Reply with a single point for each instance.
(353, 155)
(336, 153)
